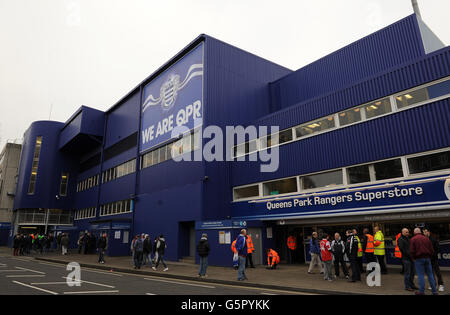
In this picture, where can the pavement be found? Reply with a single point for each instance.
(293, 278)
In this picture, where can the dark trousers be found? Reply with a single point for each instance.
(101, 255)
(248, 260)
(340, 260)
(292, 255)
(408, 275)
(360, 264)
(356, 275)
(380, 259)
(138, 255)
(437, 271)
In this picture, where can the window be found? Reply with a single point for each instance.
(388, 169)
(350, 116)
(285, 136)
(358, 174)
(283, 186)
(246, 192)
(326, 179)
(315, 127)
(378, 108)
(423, 94)
(34, 166)
(64, 184)
(429, 163)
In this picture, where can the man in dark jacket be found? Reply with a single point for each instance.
(421, 251)
(138, 252)
(408, 267)
(434, 259)
(203, 252)
(351, 248)
(160, 249)
(102, 246)
(147, 250)
(338, 250)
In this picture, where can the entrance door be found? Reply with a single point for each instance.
(255, 233)
(192, 246)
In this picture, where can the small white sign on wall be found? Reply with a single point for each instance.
(269, 232)
(117, 235)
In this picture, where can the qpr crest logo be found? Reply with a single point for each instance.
(169, 89)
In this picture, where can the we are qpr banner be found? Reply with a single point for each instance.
(173, 99)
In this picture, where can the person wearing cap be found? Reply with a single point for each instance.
(203, 252)
(241, 247)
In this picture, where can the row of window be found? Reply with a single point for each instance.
(85, 213)
(117, 207)
(34, 166)
(371, 172)
(188, 143)
(354, 115)
(88, 183)
(119, 171)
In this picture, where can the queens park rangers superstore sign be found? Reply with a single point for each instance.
(173, 101)
(427, 195)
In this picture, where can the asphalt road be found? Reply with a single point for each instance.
(26, 276)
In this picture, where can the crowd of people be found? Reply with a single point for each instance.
(145, 251)
(418, 254)
(26, 244)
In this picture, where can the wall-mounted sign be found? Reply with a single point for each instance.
(173, 100)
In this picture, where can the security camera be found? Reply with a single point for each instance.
(57, 197)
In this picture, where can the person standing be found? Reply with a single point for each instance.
(160, 249)
(16, 244)
(235, 255)
(272, 259)
(250, 250)
(352, 253)
(403, 244)
(203, 252)
(327, 257)
(379, 251)
(434, 259)
(147, 250)
(292, 247)
(314, 250)
(241, 247)
(359, 257)
(398, 253)
(138, 252)
(421, 250)
(133, 252)
(338, 250)
(102, 246)
(80, 243)
(64, 243)
(368, 246)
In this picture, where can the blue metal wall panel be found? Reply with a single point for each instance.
(419, 129)
(123, 120)
(420, 71)
(395, 44)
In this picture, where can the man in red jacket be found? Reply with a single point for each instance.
(421, 251)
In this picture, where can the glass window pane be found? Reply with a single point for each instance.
(285, 136)
(155, 157)
(187, 143)
(429, 163)
(388, 169)
(246, 192)
(327, 179)
(162, 154)
(283, 186)
(315, 126)
(378, 108)
(412, 97)
(358, 174)
(350, 116)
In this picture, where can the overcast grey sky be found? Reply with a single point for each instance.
(57, 55)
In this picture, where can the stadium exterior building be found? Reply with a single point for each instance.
(364, 139)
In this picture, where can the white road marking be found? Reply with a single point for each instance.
(99, 284)
(40, 272)
(23, 276)
(150, 294)
(11, 270)
(105, 273)
(92, 292)
(266, 293)
(36, 288)
(182, 283)
(54, 265)
(43, 283)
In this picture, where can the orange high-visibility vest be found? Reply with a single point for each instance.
(250, 247)
(292, 242)
(397, 253)
(369, 245)
(233, 247)
(276, 258)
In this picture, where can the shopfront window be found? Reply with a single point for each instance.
(358, 174)
(284, 186)
(429, 163)
(378, 108)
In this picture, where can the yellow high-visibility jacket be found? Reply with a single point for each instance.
(379, 244)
